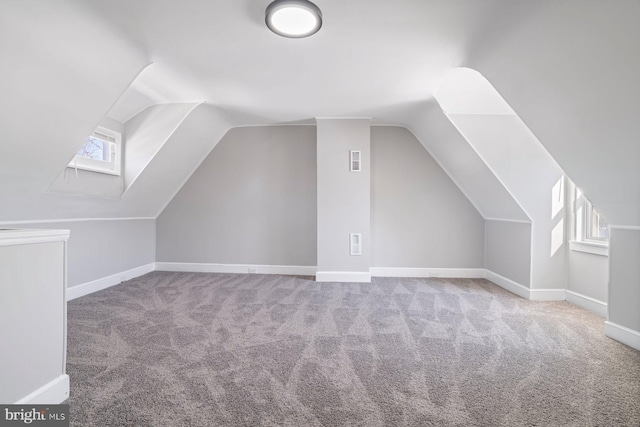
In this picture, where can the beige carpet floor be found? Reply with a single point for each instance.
(187, 349)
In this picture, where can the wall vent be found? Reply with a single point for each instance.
(355, 243)
(355, 161)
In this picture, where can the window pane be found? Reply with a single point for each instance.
(598, 228)
(96, 149)
(601, 228)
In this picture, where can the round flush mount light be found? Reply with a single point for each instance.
(293, 18)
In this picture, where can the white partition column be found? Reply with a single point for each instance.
(33, 323)
(623, 321)
(344, 199)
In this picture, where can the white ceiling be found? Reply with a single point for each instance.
(465, 91)
(371, 58)
(572, 74)
(568, 69)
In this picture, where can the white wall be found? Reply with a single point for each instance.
(571, 74)
(530, 174)
(624, 282)
(587, 272)
(32, 318)
(462, 163)
(100, 248)
(147, 132)
(83, 182)
(68, 65)
(419, 217)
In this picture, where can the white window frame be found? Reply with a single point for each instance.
(584, 213)
(114, 167)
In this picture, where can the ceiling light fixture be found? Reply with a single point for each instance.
(293, 18)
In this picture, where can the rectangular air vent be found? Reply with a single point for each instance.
(355, 161)
(355, 243)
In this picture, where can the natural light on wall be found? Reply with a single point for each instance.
(466, 91)
(557, 198)
(557, 205)
(557, 237)
(512, 152)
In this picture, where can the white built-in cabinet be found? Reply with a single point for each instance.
(33, 316)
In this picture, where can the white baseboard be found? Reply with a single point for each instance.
(327, 276)
(343, 276)
(524, 291)
(508, 284)
(547, 295)
(589, 303)
(469, 273)
(624, 335)
(106, 282)
(290, 270)
(52, 393)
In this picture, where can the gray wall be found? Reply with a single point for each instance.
(251, 201)
(508, 250)
(419, 217)
(624, 282)
(588, 274)
(101, 248)
(343, 196)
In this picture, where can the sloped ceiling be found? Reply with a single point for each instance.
(463, 164)
(70, 61)
(370, 58)
(55, 88)
(572, 74)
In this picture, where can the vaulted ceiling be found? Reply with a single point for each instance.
(371, 58)
(569, 69)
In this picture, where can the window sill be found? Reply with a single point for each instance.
(96, 170)
(590, 248)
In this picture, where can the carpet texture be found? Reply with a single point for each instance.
(194, 349)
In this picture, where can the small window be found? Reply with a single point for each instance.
(99, 153)
(597, 228)
(591, 227)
